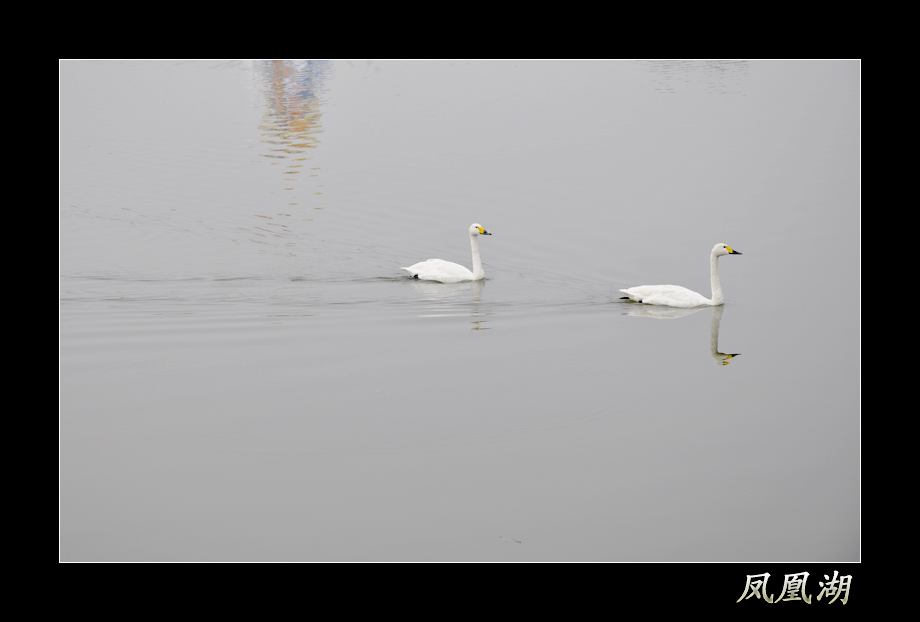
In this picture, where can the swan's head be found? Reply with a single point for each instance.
(723, 249)
(476, 229)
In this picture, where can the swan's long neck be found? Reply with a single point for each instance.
(717, 297)
(478, 272)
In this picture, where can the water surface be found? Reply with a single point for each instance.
(246, 373)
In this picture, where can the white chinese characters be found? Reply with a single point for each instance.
(794, 586)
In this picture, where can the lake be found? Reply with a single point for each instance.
(246, 374)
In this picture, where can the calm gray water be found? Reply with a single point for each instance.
(246, 373)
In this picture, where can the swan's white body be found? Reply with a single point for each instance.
(677, 296)
(448, 271)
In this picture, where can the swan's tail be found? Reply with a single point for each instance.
(412, 273)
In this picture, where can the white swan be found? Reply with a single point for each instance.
(677, 296)
(448, 271)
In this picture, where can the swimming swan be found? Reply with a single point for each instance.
(448, 271)
(677, 296)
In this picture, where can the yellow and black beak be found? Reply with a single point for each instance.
(484, 232)
(731, 251)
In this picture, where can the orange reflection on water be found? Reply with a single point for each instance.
(291, 123)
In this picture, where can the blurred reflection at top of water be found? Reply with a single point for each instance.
(723, 77)
(291, 123)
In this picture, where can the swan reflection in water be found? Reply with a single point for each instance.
(452, 298)
(671, 313)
